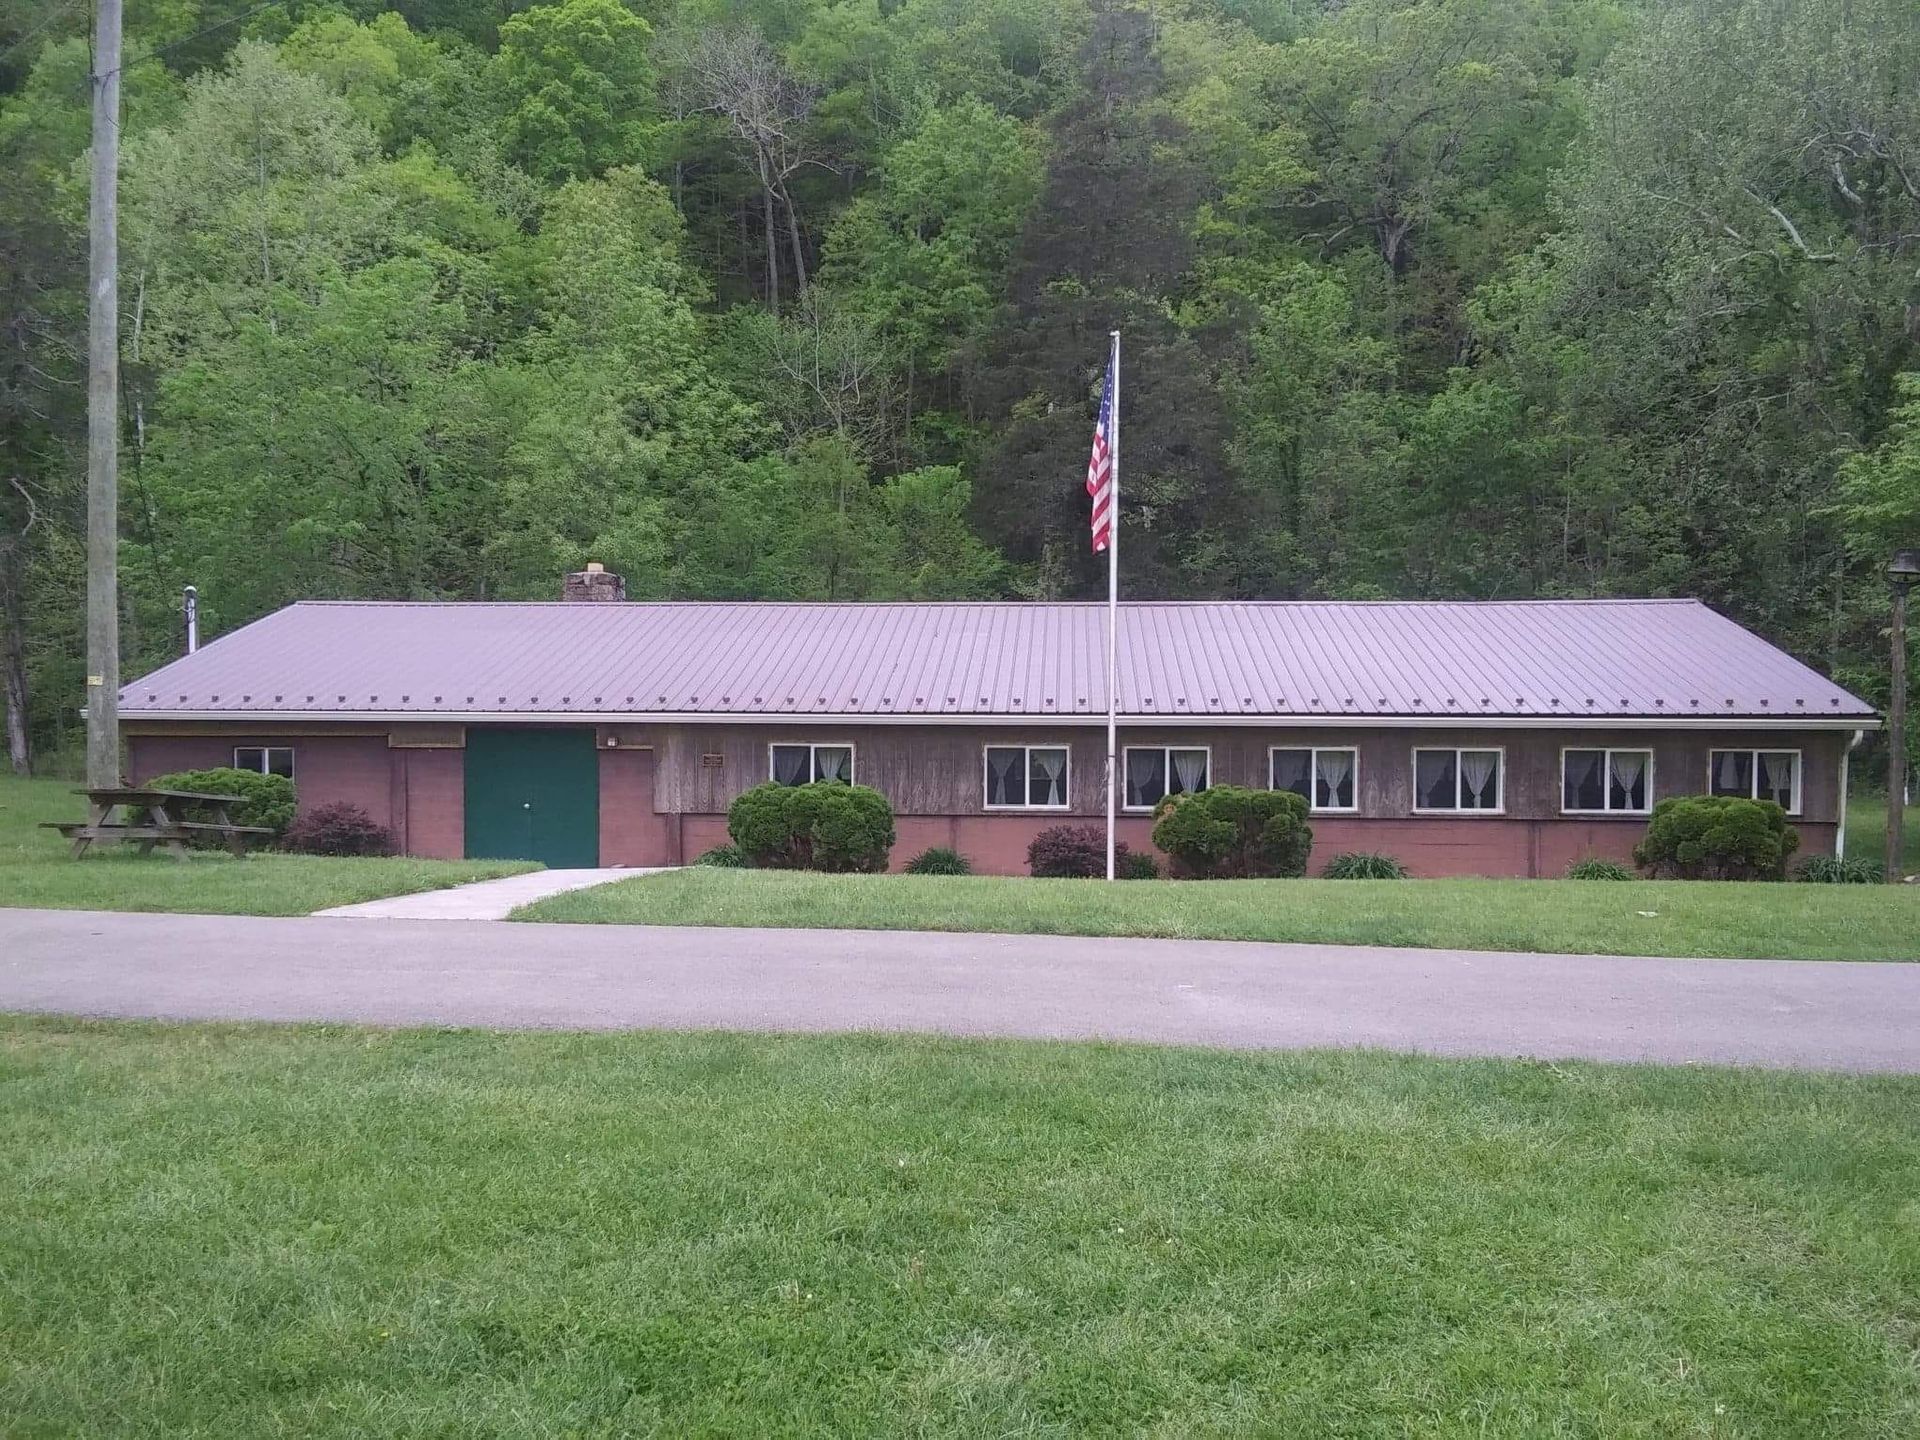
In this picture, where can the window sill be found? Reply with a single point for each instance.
(1333, 810)
(1461, 814)
(1606, 814)
(1026, 809)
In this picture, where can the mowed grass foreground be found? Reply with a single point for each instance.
(37, 871)
(251, 1231)
(1639, 917)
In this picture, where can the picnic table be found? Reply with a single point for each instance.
(149, 817)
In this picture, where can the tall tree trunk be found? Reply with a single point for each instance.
(13, 658)
(773, 248)
(793, 234)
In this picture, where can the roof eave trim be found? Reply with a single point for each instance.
(1352, 719)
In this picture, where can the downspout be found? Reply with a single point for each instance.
(1846, 761)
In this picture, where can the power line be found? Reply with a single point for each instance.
(157, 51)
(58, 14)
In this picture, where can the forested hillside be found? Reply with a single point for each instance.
(809, 298)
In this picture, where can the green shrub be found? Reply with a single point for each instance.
(1717, 837)
(828, 825)
(1364, 865)
(264, 799)
(1136, 865)
(1232, 833)
(1832, 870)
(1074, 852)
(939, 861)
(723, 857)
(337, 829)
(1595, 867)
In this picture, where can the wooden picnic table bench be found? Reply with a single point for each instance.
(148, 818)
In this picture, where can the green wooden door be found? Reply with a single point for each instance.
(533, 795)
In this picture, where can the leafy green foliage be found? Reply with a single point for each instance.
(1595, 867)
(1717, 837)
(1363, 865)
(1136, 865)
(264, 799)
(1835, 870)
(723, 857)
(827, 825)
(939, 860)
(1232, 833)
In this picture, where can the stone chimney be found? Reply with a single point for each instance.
(595, 582)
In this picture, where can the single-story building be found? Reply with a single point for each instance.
(1490, 738)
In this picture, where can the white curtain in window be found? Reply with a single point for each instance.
(1191, 767)
(1144, 782)
(1050, 769)
(1727, 776)
(790, 764)
(1002, 765)
(1290, 771)
(1336, 769)
(1476, 770)
(1434, 780)
(1628, 766)
(833, 762)
(1776, 778)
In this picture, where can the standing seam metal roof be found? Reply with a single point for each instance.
(1503, 660)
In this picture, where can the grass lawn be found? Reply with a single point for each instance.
(36, 869)
(252, 1231)
(1810, 922)
(1867, 831)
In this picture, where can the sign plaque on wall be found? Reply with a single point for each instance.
(712, 762)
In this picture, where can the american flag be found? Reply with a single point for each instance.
(1100, 468)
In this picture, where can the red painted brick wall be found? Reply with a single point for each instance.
(356, 769)
(631, 831)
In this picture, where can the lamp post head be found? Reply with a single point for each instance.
(1904, 568)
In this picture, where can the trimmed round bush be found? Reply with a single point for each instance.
(264, 799)
(1364, 865)
(939, 860)
(828, 825)
(337, 829)
(722, 857)
(1832, 870)
(1717, 837)
(1595, 867)
(1073, 852)
(1232, 833)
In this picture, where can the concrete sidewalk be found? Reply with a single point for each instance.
(1783, 1013)
(484, 899)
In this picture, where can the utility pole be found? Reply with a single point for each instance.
(103, 408)
(1902, 571)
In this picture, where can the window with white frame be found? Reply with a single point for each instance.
(1606, 782)
(1156, 770)
(267, 759)
(1756, 775)
(803, 764)
(1457, 780)
(1327, 779)
(1026, 777)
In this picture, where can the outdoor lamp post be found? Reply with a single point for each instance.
(1902, 571)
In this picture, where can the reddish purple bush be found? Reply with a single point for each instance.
(1072, 852)
(337, 829)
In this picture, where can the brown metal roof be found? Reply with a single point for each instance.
(1560, 659)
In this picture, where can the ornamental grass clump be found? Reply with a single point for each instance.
(1717, 837)
(828, 825)
(722, 857)
(1596, 867)
(1232, 833)
(1364, 865)
(1832, 870)
(939, 860)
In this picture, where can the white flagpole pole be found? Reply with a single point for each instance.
(1113, 602)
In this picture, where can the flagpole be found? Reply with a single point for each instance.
(1113, 605)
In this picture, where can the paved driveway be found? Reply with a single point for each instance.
(449, 972)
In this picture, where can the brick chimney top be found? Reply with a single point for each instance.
(595, 582)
